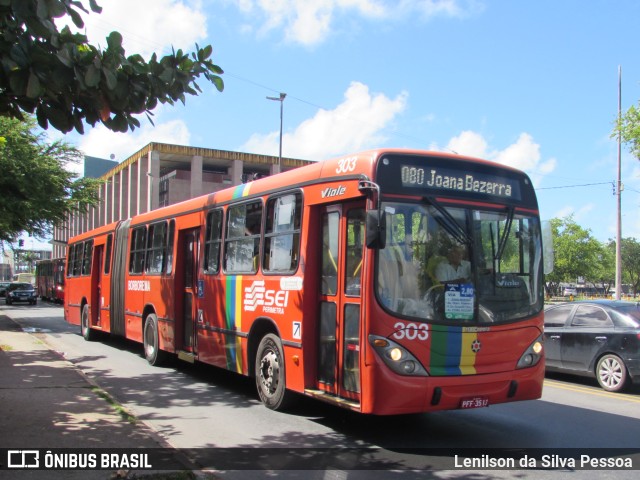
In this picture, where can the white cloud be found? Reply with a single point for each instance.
(580, 214)
(524, 154)
(148, 25)
(469, 143)
(355, 124)
(102, 142)
(310, 22)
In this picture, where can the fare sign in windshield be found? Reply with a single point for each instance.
(436, 178)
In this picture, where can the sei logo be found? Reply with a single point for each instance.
(271, 301)
(411, 331)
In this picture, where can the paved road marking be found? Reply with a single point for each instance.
(591, 390)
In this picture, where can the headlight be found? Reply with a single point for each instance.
(396, 357)
(532, 355)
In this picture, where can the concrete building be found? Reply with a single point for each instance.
(162, 174)
(95, 167)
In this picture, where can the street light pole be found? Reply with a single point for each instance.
(281, 100)
(619, 194)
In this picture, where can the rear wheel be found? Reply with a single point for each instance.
(87, 333)
(270, 374)
(152, 351)
(611, 373)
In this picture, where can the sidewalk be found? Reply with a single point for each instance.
(46, 402)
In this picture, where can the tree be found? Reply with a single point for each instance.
(576, 253)
(66, 81)
(37, 190)
(630, 249)
(629, 129)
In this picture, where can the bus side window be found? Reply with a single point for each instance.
(136, 256)
(330, 229)
(212, 241)
(242, 243)
(282, 234)
(355, 238)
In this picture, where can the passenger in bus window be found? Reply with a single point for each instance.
(456, 269)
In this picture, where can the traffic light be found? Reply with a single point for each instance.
(21, 243)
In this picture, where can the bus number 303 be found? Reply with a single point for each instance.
(411, 331)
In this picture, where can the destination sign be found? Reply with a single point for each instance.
(437, 178)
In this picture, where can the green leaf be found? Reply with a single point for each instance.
(56, 8)
(76, 18)
(94, 6)
(92, 76)
(58, 118)
(114, 40)
(34, 89)
(218, 82)
(110, 77)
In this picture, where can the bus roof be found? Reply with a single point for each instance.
(353, 166)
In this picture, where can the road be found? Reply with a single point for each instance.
(197, 406)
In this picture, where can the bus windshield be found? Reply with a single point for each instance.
(456, 265)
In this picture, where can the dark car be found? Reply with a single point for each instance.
(3, 288)
(598, 339)
(21, 292)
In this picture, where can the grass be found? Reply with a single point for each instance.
(124, 414)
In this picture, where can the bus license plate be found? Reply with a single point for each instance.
(475, 402)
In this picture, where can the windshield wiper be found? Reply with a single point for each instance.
(450, 224)
(502, 242)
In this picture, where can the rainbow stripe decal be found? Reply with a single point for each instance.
(233, 310)
(233, 317)
(453, 351)
(241, 191)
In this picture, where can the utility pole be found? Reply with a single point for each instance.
(619, 193)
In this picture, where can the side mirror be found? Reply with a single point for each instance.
(547, 247)
(376, 229)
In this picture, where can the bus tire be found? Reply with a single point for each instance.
(85, 329)
(270, 374)
(152, 352)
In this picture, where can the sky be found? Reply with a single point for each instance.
(528, 83)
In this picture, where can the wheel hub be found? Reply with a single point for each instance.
(269, 370)
(611, 373)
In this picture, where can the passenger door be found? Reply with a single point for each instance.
(187, 313)
(340, 289)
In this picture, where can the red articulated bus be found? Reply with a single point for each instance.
(50, 279)
(386, 282)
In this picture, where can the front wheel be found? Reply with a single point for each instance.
(611, 373)
(152, 351)
(270, 374)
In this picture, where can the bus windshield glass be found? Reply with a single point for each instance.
(457, 265)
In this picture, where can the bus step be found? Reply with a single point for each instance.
(333, 399)
(186, 356)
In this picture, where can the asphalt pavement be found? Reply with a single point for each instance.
(48, 403)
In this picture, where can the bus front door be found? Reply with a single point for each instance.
(339, 326)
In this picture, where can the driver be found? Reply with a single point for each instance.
(456, 269)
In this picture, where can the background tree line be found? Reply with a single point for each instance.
(577, 254)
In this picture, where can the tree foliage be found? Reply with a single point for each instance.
(37, 190)
(629, 129)
(576, 253)
(630, 253)
(66, 81)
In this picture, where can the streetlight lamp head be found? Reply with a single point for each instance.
(281, 100)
